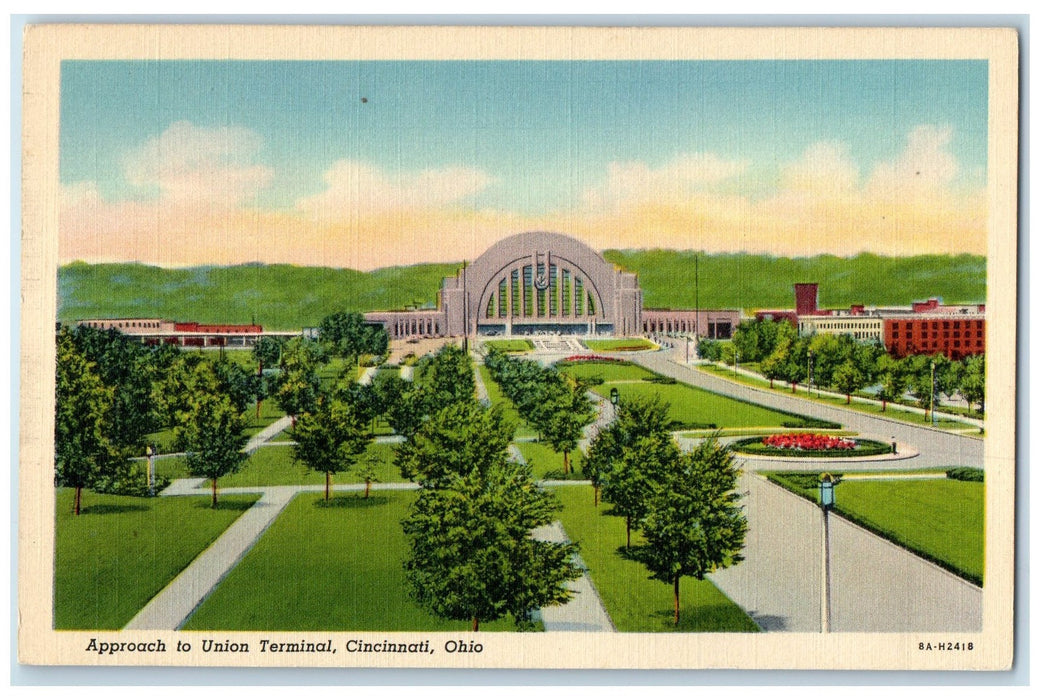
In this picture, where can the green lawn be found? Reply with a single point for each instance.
(607, 371)
(515, 345)
(319, 567)
(496, 397)
(892, 411)
(269, 413)
(619, 345)
(636, 602)
(120, 551)
(940, 519)
(274, 466)
(543, 458)
(691, 407)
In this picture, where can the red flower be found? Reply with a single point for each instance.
(809, 442)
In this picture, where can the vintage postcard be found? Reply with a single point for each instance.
(530, 347)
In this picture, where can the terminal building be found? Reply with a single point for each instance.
(530, 283)
(542, 282)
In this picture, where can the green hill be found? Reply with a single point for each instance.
(282, 297)
(743, 281)
(279, 297)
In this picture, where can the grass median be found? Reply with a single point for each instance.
(620, 345)
(121, 551)
(690, 407)
(635, 602)
(893, 411)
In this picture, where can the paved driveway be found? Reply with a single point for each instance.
(936, 448)
(875, 585)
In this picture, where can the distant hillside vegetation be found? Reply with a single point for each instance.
(743, 281)
(282, 297)
(279, 297)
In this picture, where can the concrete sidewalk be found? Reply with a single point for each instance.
(267, 433)
(584, 612)
(173, 605)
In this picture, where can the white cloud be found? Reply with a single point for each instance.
(191, 163)
(675, 181)
(925, 167)
(357, 189)
(824, 168)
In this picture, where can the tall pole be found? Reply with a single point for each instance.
(932, 410)
(696, 298)
(465, 311)
(825, 610)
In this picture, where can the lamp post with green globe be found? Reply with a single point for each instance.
(826, 504)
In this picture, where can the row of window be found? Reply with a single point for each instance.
(123, 324)
(936, 325)
(935, 334)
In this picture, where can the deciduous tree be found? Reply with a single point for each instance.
(211, 437)
(633, 419)
(332, 437)
(973, 381)
(347, 334)
(298, 385)
(471, 555)
(82, 449)
(892, 380)
(694, 524)
(848, 378)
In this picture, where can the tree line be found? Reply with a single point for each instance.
(842, 363)
(112, 392)
(555, 405)
(684, 503)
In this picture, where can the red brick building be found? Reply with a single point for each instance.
(955, 336)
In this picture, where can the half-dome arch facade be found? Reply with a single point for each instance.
(541, 282)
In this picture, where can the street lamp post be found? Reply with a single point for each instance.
(150, 452)
(826, 504)
(809, 392)
(932, 409)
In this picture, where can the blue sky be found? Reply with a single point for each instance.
(541, 135)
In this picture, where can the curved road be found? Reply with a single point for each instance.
(876, 586)
(937, 448)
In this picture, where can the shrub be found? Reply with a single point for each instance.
(656, 379)
(810, 423)
(965, 474)
(130, 479)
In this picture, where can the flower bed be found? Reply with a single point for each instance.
(592, 358)
(809, 441)
(810, 446)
